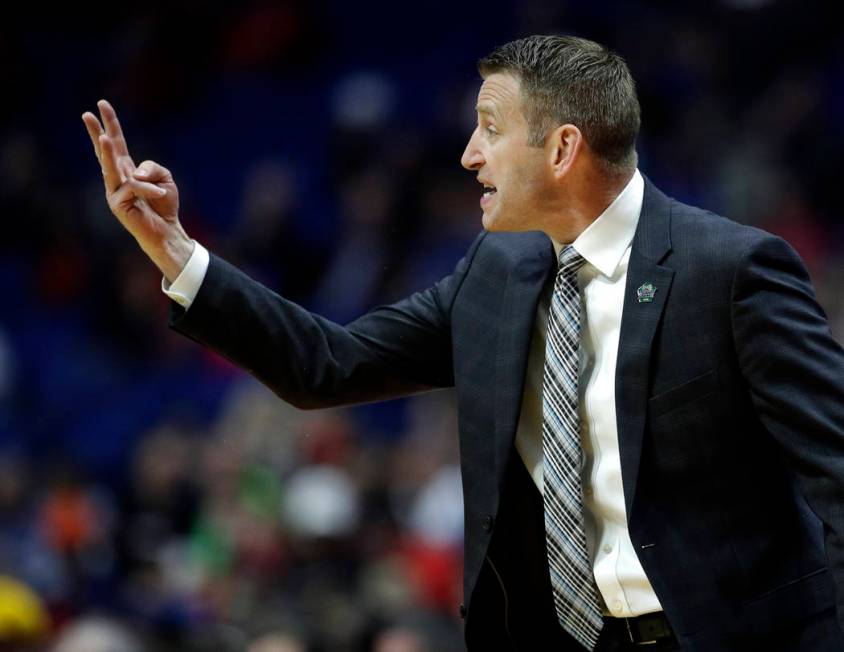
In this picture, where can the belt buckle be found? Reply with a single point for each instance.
(633, 640)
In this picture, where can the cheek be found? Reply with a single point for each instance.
(520, 186)
(532, 184)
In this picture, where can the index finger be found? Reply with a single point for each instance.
(95, 130)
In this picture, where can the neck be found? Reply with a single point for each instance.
(588, 197)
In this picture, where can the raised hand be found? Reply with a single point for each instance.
(144, 198)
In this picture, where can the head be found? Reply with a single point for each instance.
(558, 118)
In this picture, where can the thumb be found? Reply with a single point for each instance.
(152, 172)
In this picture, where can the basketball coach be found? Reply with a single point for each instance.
(651, 404)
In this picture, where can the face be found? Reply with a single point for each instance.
(515, 175)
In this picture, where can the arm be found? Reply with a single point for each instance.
(306, 359)
(312, 362)
(795, 372)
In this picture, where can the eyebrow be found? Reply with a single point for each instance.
(489, 109)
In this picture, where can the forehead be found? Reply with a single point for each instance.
(499, 96)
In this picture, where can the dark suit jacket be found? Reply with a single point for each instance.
(729, 394)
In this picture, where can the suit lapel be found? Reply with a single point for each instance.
(639, 322)
(534, 264)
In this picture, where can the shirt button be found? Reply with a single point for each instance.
(617, 606)
(607, 548)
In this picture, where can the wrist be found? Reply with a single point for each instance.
(173, 253)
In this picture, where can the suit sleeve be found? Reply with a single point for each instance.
(312, 362)
(795, 373)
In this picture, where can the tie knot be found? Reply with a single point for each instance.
(570, 260)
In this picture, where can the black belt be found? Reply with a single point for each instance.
(651, 629)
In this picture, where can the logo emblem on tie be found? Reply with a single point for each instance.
(646, 293)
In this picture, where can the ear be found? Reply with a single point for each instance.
(563, 149)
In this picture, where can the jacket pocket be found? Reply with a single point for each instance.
(684, 393)
(789, 601)
(790, 585)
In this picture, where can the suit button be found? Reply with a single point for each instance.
(462, 610)
(487, 525)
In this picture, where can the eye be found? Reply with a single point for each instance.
(490, 130)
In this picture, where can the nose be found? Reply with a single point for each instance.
(472, 158)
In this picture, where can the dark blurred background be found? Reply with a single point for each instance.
(152, 497)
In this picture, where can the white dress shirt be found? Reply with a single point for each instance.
(605, 245)
(183, 290)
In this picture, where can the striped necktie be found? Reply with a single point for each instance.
(572, 580)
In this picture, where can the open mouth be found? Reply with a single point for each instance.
(489, 191)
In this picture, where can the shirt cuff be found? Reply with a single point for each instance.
(184, 289)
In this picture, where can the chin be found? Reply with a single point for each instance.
(494, 223)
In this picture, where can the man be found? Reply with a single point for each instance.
(651, 406)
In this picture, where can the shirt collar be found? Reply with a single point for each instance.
(604, 242)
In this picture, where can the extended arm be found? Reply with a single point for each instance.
(312, 362)
(307, 360)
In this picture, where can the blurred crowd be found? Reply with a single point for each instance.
(154, 498)
(273, 530)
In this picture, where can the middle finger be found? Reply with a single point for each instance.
(113, 129)
(111, 174)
